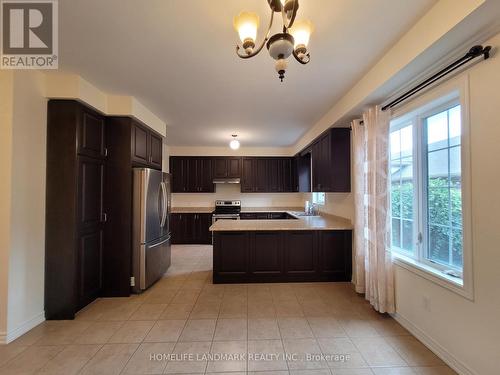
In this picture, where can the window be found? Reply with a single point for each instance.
(427, 189)
(318, 198)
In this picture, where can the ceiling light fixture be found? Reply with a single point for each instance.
(234, 144)
(292, 41)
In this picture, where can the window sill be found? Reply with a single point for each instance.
(446, 281)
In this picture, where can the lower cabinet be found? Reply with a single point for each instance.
(191, 228)
(282, 256)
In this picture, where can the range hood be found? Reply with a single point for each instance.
(226, 181)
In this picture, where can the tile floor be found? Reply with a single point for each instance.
(309, 328)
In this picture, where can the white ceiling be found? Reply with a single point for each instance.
(177, 57)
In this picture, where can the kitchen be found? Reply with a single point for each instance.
(290, 189)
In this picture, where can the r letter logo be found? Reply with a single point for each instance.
(29, 34)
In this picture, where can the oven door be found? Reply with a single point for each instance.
(216, 217)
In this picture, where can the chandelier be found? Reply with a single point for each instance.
(292, 41)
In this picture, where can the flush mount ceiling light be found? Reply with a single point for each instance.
(234, 144)
(292, 41)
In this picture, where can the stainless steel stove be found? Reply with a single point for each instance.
(227, 210)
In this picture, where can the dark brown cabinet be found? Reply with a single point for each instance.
(282, 256)
(191, 174)
(226, 167)
(331, 161)
(267, 175)
(191, 228)
(75, 207)
(147, 146)
(265, 216)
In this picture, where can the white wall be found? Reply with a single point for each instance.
(468, 332)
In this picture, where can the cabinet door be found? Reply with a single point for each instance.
(90, 192)
(178, 227)
(301, 259)
(140, 144)
(231, 256)
(156, 150)
(191, 175)
(261, 176)
(248, 173)
(234, 167)
(335, 255)
(316, 167)
(266, 255)
(326, 166)
(304, 173)
(340, 177)
(273, 175)
(220, 169)
(205, 222)
(286, 175)
(89, 273)
(91, 134)
(205, 182)
(178, 170)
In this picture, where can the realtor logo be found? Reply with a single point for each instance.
(29, 34)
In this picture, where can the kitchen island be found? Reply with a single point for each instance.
(305, 249)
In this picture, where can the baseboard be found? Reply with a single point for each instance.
(436, 348)
(6, 337)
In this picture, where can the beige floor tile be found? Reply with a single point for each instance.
(434, 370)
(294, 328)
(315, 308)
(326, 327)
(393, 371)
(387, 326)
(120, 312)
(377, 352)
(132, 332)
(311, 372)
(205, 310)
(358, 327)
(30, 360)
(341, 353)
(165, 331)
(190, 357)
(177, 311)
(198, 330)
(186, 296)
(413, 351)
(288, 308)
(150, 358)
(282, 372)
(232, 356)
(352, 371)
(70, 360)
(7, 352)
(304, 354)
(234, 309)
(98, 332)
(148, 311)
(263, 328)
(62, 332)
(161, 296)
(32, 336)
(261, 309)
(231, 330)
(110, 360)
(258, 352)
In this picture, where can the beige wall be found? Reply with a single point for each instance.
(468, 332)
(6, 108)
(27, 240)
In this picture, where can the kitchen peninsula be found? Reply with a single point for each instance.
(304, 249)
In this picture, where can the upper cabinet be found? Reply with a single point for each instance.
(268, 175)
(192, 174)
(331, 161)
(147, 146)
(226, 167)
(91, 133)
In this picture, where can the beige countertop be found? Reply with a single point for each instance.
(192, 210)
(271, 209)
(325, 222)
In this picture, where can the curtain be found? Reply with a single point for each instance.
(374, 274)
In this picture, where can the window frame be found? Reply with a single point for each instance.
(443, 97)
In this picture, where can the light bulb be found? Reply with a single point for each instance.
(234, 144)
(301, 32)
(246, 23)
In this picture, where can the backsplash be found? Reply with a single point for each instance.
(232, 191)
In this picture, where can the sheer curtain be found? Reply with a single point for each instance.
(373, 265)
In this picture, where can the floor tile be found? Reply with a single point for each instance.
(294, 328)
(62, 332)
(304, 354)
(98, 332)
(357, 327)
(393, 371)
(230, 330)
(434, 370)
(261, 309)
(377, 352)
(70, 360)
(177, 311)
(263, 328)
(132, 332)
(30, 360)
(230, 356)
(166, 331)
(266, 355)
(7, 352)
(323, 327)
(189, 357)
(198, 330)
(205, 310)
(110, 360)
(353, 371)
(413, 351)
(148, 311)
(149, 358)
(341, 353)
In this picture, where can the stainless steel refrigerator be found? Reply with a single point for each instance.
(151, 227)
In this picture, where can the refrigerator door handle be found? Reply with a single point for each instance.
(164, 204)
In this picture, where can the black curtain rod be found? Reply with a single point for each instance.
(473, 53)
